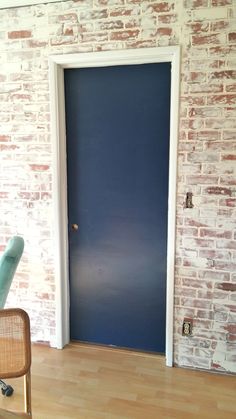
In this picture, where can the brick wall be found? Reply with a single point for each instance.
(205, 281)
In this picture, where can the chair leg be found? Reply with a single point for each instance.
(27, 393)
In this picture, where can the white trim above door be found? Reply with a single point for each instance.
(7, 4)
(100, 59)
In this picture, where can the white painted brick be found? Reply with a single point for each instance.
(229, 366)
(211, 13)
(206, 152)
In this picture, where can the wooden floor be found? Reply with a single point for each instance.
(90, 382)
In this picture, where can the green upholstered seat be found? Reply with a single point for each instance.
(8, 264)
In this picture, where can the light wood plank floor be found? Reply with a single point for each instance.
(89, 382)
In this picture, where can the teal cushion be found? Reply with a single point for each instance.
(8, 264)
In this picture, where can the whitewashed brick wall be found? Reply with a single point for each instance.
(205, 281)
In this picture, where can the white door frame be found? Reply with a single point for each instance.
(57, 64)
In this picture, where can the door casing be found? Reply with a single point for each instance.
(57, 64)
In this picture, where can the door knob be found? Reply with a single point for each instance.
(75, 227)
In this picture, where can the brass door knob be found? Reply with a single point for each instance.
(75, 227)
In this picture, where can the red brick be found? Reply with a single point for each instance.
(226, 74)
(219, 25)
(123, 35)
(185, 292)
(229, 202)
(120, 11)
(226, 244)
(193, 100)
(109, 25)
(228, 157)
(4, 194)
(205, 112)
(206, 39)
(187, 231)
(217, 366)
(159, 7)
(206, 88)
(220, 145)
(193, 4)
(221, 2)
(222, 50)
(230, 87)
(141, 44)
(232, 36)
(63, 40)
(5, 138)
(197, 262)
(225, 212)
(231, 338)
(33, 196)
(196, 283)
(21, 97)
(205, 314)
(8, 147)
(204, 232)
(68, 32)
(214, 254)
(225, 99)
(199, 27)
(19, 34)
(220, 295)
(193, 243)
(229, 112)
(164, 31)
(39, 167)
(193, 302)
(226, 286)
(212, 169)
(193, 222)
(205, 294)
(195, 76)
(132, 23)
(218, 190)
(225, 266)
(67, 17)
(171, 18)
(25, 138)
(228, 180)
(232, 308)
(205, 135)
(94, 14)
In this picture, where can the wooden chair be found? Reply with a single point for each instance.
(15, 353)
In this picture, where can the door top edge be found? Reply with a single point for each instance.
(118, 57)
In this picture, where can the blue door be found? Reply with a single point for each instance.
(117, 122)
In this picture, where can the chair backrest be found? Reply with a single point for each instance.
(15, 349)
(8, 264)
